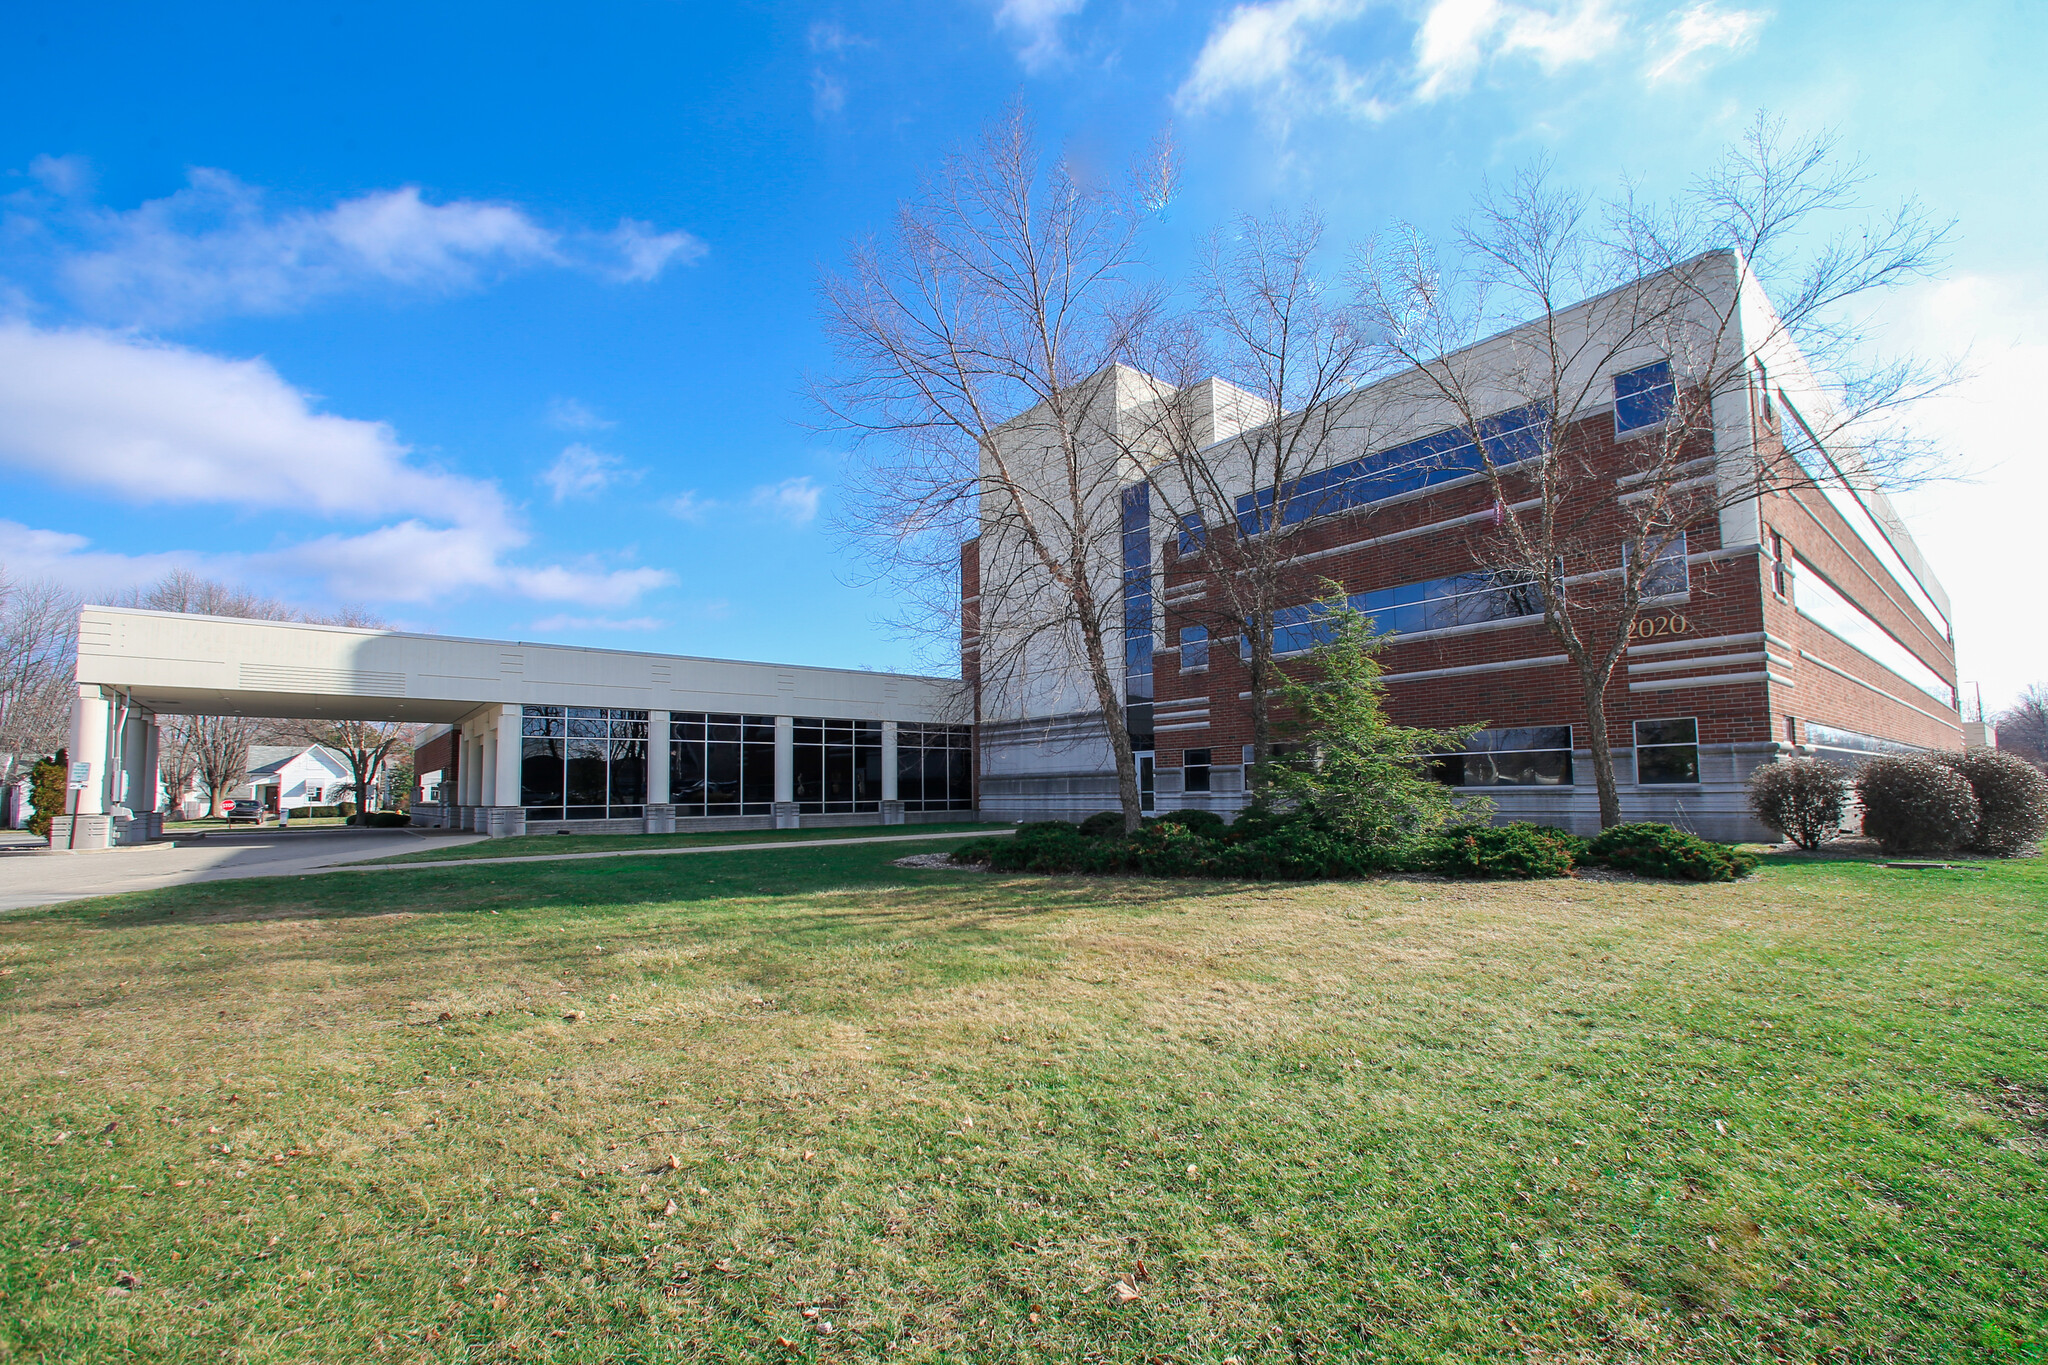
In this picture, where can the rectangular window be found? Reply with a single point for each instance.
(1668, 577)
(1851, 742)
(1526, 756)
(1667, 752)
(1504, 439)
(1193, 535)
(1436, 604)
(838, 765)
(1817, 600)
(1194, 649)
(1194, 770)
(721, 764)
(935, 766)
(582, 762)
(1643, 397)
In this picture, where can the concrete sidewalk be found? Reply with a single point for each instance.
(28, 880)
(40, 878)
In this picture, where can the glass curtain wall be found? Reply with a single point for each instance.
(838, 765)
(935, 767)
(721, 764)
(582, 762)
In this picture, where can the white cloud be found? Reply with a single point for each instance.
(31, 552)
(159, 423)
(1269, 53)
(1701, 29)
(793, 500)
(1458, 37)
(1034, 28)
(214, 248)
(690, 506)
(552, 624)
(1287, 57)
(67, 176)
(580, 472)
(568, 414)
(150, 423)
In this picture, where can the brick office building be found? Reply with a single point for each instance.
(1802, 619)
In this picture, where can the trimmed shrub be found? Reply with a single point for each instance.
(1034, 828)
(48, 792)
(1653, 850)
(1103, 822)
(1516, 851)
(1916, 804)
(1803, 799)
(345, 807)
(2012, 799)
(1206, 823)
(381, 819)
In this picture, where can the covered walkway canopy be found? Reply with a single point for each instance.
(136, 665)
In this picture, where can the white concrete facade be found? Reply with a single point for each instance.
(134, 665)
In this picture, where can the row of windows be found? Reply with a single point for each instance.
(1138, 616)
(725, 765)
(1440, 603)
(1667, 754)
(1816, 599)
(1509, 438)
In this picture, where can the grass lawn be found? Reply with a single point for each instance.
(344, 1118)
(524, 845)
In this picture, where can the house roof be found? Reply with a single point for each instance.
(265, 760)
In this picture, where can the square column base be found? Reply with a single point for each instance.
(659, 819)
(94, 832)
(501, 822)
(786, 816)
(892, 812)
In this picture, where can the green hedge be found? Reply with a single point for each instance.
(1264, 847)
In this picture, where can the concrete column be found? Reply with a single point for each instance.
(488, 769)
(785, 758)
(786, 816)
(473, 766)
(507, 783)
(892, 804)
(89, 724)
(133, 787)
(152, 775)
(658, 793)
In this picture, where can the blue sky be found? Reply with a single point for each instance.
(495, 319)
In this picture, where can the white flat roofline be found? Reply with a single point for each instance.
(382, 633)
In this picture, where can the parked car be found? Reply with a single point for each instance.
(246, 812)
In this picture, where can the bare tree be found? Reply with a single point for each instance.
(2023, 726)
(1230, 462)
(215, 749)
(979, 353)
(38, 649)
(366, 745)
(1727, 286)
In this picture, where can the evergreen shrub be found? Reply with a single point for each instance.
(1803, 799)
(1206, 823)
(1653, 850)
(49, 790)
(1913, 803)
(1516, 851)
(1103, 822)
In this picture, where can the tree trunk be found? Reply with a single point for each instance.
(1128, 795)
(1603, 752)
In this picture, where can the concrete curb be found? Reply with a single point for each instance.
(642, 853)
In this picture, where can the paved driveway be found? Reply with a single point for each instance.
(45, 878)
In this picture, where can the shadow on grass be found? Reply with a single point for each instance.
(698, 885)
